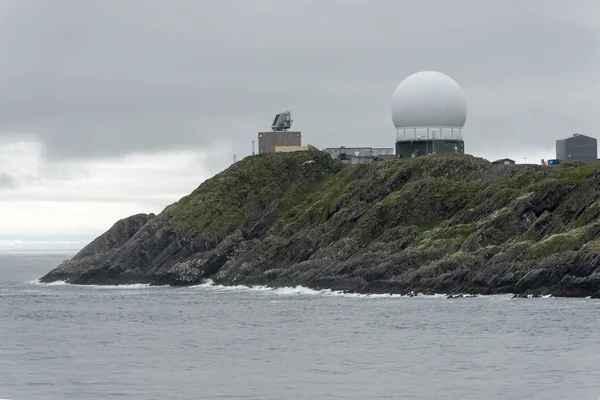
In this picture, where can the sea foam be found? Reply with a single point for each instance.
(283, 291)
(303, 291)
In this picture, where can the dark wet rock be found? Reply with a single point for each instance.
(434, 224)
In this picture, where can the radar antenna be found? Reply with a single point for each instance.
(282, 122)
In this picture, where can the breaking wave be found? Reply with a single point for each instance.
(286, 291)
(304, 291)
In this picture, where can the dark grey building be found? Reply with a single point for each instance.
(267, 141)
(577, 148)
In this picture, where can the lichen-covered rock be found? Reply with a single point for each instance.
(444, 223)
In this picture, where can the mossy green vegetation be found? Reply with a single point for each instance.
(448, 222)
(251, 188)
(443, 197)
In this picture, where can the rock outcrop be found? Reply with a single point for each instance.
(443, 223)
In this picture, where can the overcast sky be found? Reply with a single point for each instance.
(114, 107)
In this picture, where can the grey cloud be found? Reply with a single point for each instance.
(7, 181)
(103, 78)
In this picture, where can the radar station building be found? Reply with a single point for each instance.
(360, 155)
(279, 136)
(577, 148)
(429, 111)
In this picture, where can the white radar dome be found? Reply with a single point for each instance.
(429, 99)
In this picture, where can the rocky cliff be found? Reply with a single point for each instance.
(444, 224)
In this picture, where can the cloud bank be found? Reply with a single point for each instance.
(110, 107)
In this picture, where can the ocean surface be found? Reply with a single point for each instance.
(207, 342)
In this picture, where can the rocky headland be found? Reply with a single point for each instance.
(434, 224)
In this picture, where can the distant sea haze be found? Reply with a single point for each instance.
(36, 245)
(61, 341)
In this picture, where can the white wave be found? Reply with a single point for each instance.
(530, 296)
(304, 291)
(301, 290)
(55, 283)
(288, 291)
(128, 286)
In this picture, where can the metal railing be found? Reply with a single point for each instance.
(431, 133)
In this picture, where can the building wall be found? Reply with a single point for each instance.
(336, 152)
(405, 149)
(358, 160)
(561, 149)
(288, 149)
(577, 148)
(362, 151)
(267, 141)
(383, 151)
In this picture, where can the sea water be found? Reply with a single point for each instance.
(61, 341)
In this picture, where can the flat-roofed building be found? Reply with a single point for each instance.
(267, 141)
(577, 148)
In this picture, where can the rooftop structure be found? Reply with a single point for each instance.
(269, 142)
(282, 122)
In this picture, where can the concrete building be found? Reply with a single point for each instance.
(577, 148)
(360, 155)
(429, 110)
(343, 151)
(267, 141)
(382, 151)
